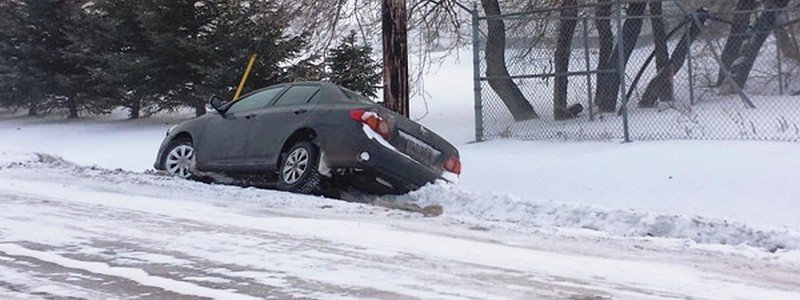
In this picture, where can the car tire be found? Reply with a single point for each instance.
(298, 170)
(179, 158)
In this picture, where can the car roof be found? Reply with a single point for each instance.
(328, 87)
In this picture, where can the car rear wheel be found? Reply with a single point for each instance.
(179, 159)
(298, 170)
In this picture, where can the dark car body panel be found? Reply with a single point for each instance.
(251, 141)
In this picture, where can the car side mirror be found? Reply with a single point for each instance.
(218, 104)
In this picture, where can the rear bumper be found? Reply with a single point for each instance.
(403, 173)
(386, 171)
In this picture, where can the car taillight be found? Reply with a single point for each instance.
(453, 165)
(373, 120)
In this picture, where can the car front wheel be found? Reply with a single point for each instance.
(298, 171)
(180, 160)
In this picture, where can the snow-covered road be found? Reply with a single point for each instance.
(89, 232)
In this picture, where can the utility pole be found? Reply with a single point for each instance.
(395, 56)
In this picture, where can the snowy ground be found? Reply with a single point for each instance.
(528, 220)
(72, 231)
(544, 219)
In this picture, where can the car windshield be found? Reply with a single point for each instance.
(354, 96)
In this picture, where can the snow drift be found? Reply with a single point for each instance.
(482, 207)
(502, 207)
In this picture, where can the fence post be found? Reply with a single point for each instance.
(690, 67)
(588, 68)
(621, 70)
(476, 73)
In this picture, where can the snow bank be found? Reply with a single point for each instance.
(9, 158)
(501, 207)
(103, 140)
(484, 207)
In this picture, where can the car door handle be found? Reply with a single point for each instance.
(300, 111)
(250, 116)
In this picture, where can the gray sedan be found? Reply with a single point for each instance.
(307, 135)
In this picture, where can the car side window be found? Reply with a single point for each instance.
(297, 95)
(255, 101)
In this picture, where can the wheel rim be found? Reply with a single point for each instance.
(295, 166)
(180, 161)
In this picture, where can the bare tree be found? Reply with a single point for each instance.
(496, 70)
(659, 35)
(757, 34)
(395, 56)
(566, 30)
(608, 83)
(605, 36)
(436, 29)
(737, 35)
(785, 38)
(662, 86)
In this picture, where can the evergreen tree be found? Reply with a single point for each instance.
(87, 40)
(351, 66)
(236, 32)
(48, 51)
(311, 68)
(201, 47)
(148, 55)
(21, 82)
(8, 61)
(126, 77)
(173, 28)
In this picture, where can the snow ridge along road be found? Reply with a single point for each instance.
(87, 232)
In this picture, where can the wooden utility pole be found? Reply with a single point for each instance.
(395, 56)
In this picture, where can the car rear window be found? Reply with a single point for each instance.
(297, 95)
(354, 96)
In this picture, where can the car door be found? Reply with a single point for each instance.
(224, 141)
(291, 111)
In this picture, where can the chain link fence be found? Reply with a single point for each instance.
(727, 71)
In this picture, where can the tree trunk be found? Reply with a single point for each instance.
(569, 19)
(605, 36)
(199, 108)
(737, 36)
(758, 33)
(649, 59)
(136, 108)
(662, 86)
(659, 35)
(786, 42)
(72, 107)
(499, 78)
(395, 56)
(608, 83)
(33, 109)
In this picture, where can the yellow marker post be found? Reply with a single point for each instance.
(244, 77)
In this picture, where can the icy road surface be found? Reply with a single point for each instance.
(69, 231)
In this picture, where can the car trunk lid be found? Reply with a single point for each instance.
(417, 141)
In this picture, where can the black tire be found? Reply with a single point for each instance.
(304, 180)
(165, 158)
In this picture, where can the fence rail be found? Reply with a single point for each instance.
(639, 70)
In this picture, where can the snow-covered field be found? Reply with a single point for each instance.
(543, 219)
